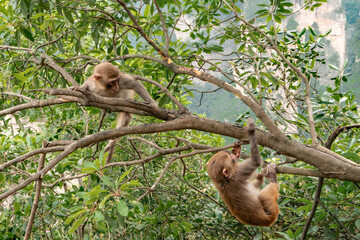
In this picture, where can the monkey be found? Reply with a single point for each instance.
(108, 81)
(242, 197)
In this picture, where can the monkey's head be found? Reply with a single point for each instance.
(222, 166)
(107, 75)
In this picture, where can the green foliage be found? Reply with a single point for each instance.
(109, 203)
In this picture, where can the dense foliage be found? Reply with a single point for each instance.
(168, 196)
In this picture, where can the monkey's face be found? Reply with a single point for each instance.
(221, 166)
(113, 86)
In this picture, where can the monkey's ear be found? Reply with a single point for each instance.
(97, 77)
(225, 172)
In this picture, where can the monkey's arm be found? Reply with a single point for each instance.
(249, 166)
(128, 82)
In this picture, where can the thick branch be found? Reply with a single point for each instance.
(258, 110)
(112, 104)
(328, 165)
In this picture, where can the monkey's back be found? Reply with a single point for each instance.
(243, 203)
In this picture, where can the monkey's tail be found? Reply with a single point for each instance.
(251, 127)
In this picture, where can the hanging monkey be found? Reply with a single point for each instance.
(243, 197)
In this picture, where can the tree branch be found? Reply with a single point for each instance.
(51, 63)
(33, 104)
(37, 196)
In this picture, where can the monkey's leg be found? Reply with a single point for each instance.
(270, 194)
(123, 119)
(110, 148)
(268, 198)
(259, 179)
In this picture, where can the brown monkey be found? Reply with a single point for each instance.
(243, 198)
(108, 81)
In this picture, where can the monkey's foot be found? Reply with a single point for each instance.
(259, 176)
(271, 172)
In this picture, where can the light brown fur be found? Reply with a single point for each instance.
(108, 81)
(243, 197)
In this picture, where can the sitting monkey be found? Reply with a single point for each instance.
(108, 81)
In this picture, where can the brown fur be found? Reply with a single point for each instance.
(108, 81)
(243, 198)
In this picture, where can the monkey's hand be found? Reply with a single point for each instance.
(79, 89)
(238, 143)
(74, 88)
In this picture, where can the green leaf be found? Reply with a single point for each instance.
(21, 77)
(312, 31)
(74, 215)
(89, 167)
(357, 223)
(17, 207)
(287, 4)
(264, 83)
(77, 224)
(27, 34)
(268, 19)
(333, 67)
(124, 175)
(302, 32)
(186, 226)
(270, 77)
(99, 216)
(147, 11)
(102, 203)
(95, 191)
(97, 164)
(277, 19)
(127, 185)
(107, 181)
(68, 15)
(254, 82)
(122, 208)
(164, 100)
(351, 156)
(312, 38)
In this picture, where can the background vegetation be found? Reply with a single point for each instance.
(206, 53)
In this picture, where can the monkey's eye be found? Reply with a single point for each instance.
(110, 84)
(232, 160)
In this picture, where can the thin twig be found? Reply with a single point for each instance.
(37, 195)
(317, 200)
(30, 154)
(337, 220)
(17, 95)
(51, 63)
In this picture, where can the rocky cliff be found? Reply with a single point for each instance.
(329, 16)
